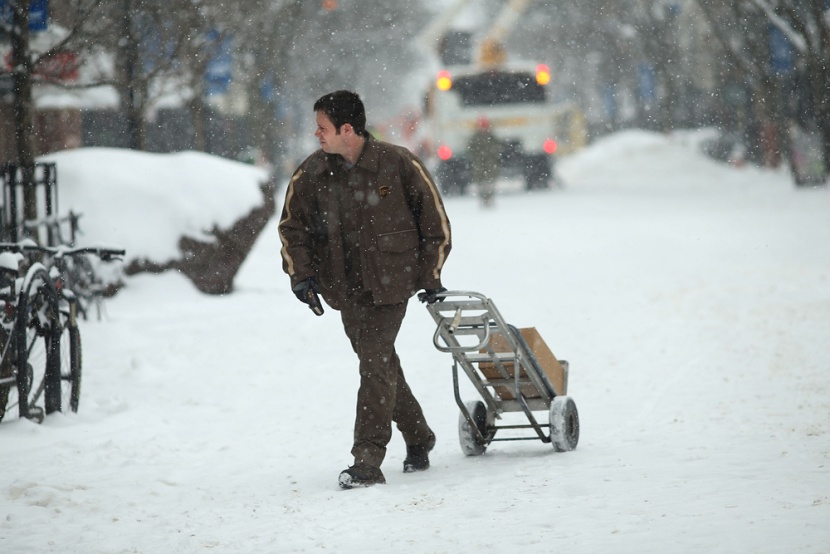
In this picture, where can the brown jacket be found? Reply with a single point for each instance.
(403, 233)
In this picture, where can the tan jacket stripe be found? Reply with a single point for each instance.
(445, 224)
(289, 195)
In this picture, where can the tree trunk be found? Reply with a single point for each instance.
(132, 96)
(197, 113)
(24, 108)
(136, 131)
(821, 100)
(23, 115)
(132, 123)
(823, 120)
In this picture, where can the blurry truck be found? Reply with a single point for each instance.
(515, 100)
(514, 97)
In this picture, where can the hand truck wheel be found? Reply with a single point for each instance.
(564, 424)
(471, 443)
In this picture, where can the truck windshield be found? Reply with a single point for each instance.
(497, 87)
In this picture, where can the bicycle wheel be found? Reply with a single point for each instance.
(38, 337)
(8, 376)
(79, 276)
(70, 364)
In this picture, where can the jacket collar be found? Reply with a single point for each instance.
(369, 159)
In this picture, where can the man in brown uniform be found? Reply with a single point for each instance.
(363, 225)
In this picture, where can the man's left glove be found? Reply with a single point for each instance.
(307, 292)
(430, 296)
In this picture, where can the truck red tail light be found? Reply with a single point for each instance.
(549, 146)
(445, 152)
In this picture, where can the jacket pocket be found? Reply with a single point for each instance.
(399, 241)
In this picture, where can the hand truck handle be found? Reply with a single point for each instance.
(456, 321)
(450, 330)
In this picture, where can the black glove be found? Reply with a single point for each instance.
(307, 292)
(430, 296)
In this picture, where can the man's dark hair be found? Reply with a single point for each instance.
(343, 106)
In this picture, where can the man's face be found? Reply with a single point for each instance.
(331, 140)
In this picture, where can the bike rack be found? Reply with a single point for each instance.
(17, 179)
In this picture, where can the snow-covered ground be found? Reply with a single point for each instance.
(691, 299)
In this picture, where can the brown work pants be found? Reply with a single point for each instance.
(383, 396)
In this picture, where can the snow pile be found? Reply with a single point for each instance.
(145, 202)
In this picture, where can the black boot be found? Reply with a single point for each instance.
(417, 455)
(361, 475)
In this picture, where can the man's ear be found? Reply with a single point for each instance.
(347, 129)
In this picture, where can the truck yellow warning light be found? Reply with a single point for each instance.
(542, 74)
(444, 81)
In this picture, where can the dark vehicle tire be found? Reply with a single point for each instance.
(38, 337)
(564, 424)
(537, 172)
(470, 442)
(454, 177)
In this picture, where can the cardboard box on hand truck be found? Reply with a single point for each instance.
(553, 369)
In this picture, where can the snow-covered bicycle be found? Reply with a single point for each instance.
(28, 334)
(41, 342)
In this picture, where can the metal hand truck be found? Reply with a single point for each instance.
(512, 369)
